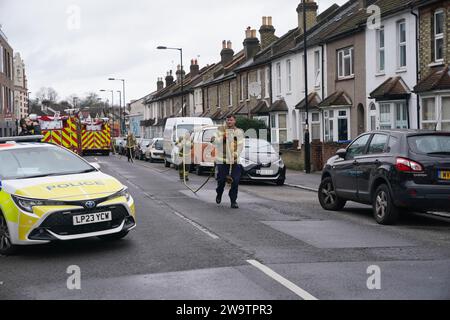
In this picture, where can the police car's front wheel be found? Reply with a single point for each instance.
(114, 236)
(6, 247)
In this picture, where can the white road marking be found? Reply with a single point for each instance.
(196, 225)
(283, 281)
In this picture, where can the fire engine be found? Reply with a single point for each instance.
(83, 136)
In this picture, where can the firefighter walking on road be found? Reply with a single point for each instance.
(184, 150)
(131, 144)
(229, 143)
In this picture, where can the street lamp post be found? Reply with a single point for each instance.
(121, 116)
(183, 113)
(307, 142)
(120, 109)
(112, 104)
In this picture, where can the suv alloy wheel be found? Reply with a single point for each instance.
(328, 198)
(384, 210)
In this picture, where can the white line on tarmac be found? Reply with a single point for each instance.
(179, 215)
(283, 281)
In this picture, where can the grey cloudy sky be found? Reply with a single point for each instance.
(118, 38)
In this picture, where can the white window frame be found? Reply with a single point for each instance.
(333, 135)
(317, 69)
(289, 75)
(380, 49)
(317, 122)
(2, 69)
(341, 58)
(438, 36)
(278, 75)
(401, 45)
(267, 83)
(329, 132)
(242, 88)
(346, 117)
(230, 93)
(259, 81)
(248, 86)
(275, 127)
(438, 105)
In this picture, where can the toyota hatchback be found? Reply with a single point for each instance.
(48, 193)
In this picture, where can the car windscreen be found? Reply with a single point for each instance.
(258, 146)
(208, 134)
(432, 144)
(40, 162)
(159, 145)
(182, 129)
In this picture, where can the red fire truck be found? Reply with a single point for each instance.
(82, 137)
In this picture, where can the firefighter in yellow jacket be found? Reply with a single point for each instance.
(184, 153)
(229, 143)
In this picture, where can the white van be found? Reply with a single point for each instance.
(175, 128)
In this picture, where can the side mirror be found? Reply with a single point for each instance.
(96, 165)
(280, 153)
(341, 153)
(213, 139)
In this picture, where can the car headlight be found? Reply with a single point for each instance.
(246, 162)
(27, 204)
(124, 193)
(280, 163)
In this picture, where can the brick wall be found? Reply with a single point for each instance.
(293, 159)
(426, 31)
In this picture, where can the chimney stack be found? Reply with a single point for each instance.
(160, 84)
(267, 32)
(169, 78)
(251, 43)
(227, 52)
(179, 71)
(195, 68)
(311, 14)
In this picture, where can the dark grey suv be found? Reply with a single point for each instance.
(393, 170)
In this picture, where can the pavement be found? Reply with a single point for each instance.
(280, 245)
(300, 179)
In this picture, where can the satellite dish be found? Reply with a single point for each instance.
(254, 89)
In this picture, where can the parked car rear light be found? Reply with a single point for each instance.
(406, 165)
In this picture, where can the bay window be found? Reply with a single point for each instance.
(429, 119)
(436, 113)
(315, 126)
(393, 115)
(278, 125)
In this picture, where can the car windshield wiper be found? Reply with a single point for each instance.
(439, 153)
(41, 176)
(57, 174)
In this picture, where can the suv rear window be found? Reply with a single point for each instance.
(437, 144)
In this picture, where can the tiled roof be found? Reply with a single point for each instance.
(260, 108)
(279, 106)
(338, 98)
(391, 89)
(313, 101)
(438, 79)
